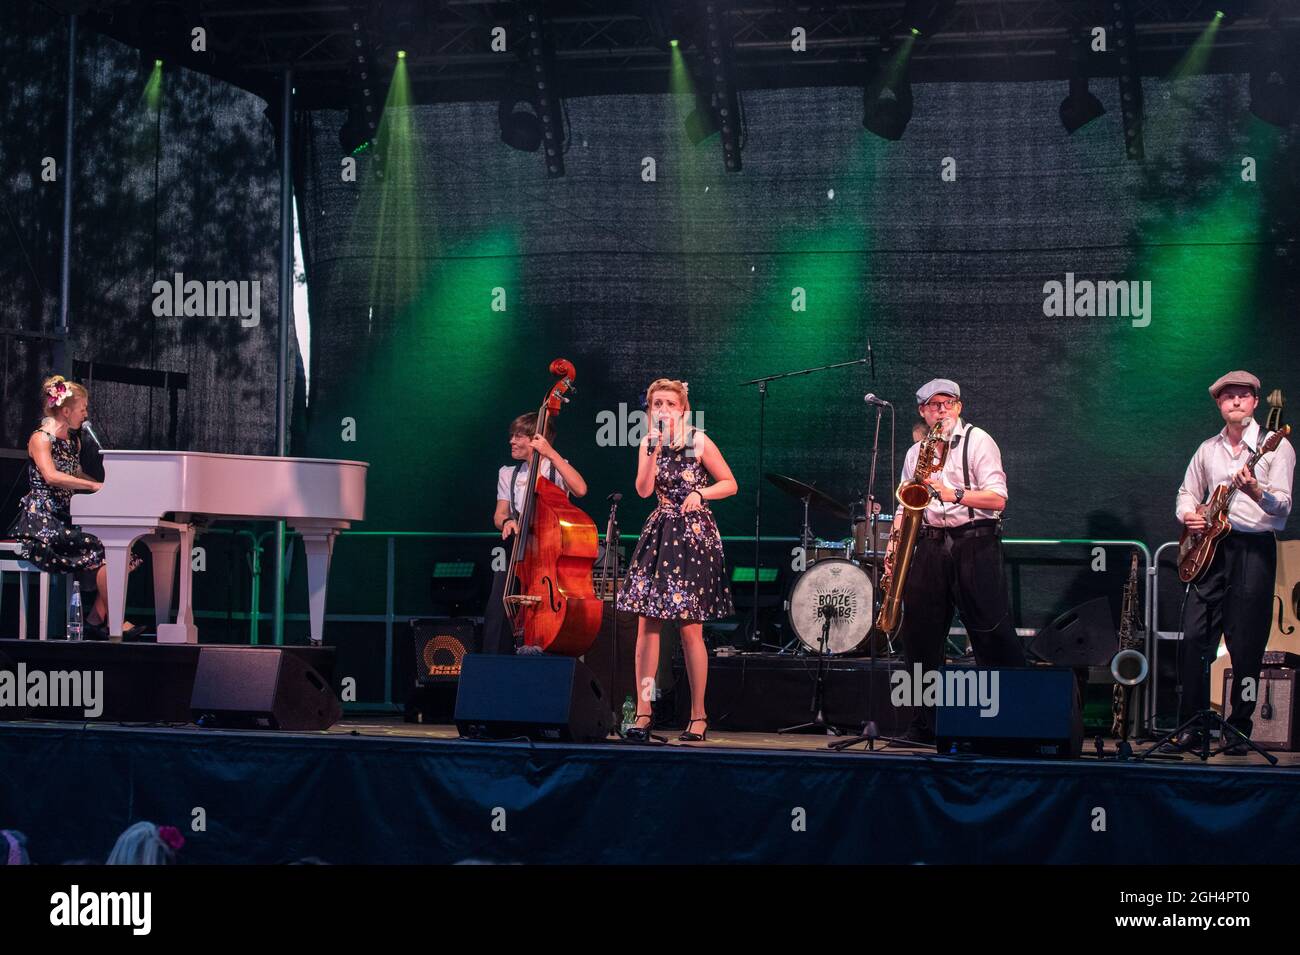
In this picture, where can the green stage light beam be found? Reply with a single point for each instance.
(152, 94)
(399, 240)
(1204, 256)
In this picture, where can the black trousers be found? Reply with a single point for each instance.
(1234, 598)
(963, 571)
(498, 631)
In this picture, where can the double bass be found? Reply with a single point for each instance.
(549, 593)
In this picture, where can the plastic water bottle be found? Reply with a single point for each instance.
(74, 612)
(629, 712)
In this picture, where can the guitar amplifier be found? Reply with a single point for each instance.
(1282, 658)
(1275, 710)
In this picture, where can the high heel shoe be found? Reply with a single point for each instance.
(689, 737)
(640, 734)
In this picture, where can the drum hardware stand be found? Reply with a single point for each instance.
(828, 613)
(758, 485)
(870, 732)
(805, 544)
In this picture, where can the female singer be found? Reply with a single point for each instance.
(44, 524)
(677, 570)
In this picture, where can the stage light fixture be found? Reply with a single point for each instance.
(520, 127)
(926, 17)
(530, 114)
(401, 54)
(887, 109)
(1130, 80)
(360, 129)
(1080, 107)
(1227, 12)
(887, 98)
(726, 99)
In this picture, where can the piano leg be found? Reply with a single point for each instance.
(183, 630)
(117, 555)
(319, 546)
(162, 550)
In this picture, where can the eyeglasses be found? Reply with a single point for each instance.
(941, 405)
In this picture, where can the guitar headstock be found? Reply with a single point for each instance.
(1274, 439)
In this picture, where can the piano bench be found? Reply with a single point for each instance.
(12, 564)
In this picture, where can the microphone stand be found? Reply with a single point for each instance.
(828, 613)
(870, 732)
(758, 484)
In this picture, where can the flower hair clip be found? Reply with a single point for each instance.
(56, 393)
(686, 387)
(172, 837)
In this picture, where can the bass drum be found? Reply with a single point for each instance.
(842, 586)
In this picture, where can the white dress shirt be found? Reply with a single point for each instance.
(521, 482)
(986, 474)
(1214, 464)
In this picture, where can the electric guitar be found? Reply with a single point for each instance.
(1196, 549)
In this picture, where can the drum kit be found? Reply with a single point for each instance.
(831, 602)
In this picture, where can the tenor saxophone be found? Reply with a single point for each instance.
(1129, 667)
(913, 496)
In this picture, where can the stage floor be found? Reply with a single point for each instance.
(390, 728)
(376, 790)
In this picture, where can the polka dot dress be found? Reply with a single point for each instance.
(677, 570)
(44, 526)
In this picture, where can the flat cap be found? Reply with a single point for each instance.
(1243, 378)
(937, 386)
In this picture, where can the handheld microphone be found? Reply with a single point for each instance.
(650, 445)
(878, 402)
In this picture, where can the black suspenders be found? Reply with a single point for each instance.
(965, 466)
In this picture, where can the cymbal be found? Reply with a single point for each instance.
(818, 499)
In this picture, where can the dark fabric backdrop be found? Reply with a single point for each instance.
(691, 276)
(191, 188)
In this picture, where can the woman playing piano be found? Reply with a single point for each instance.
(44, 525)
(677, 570)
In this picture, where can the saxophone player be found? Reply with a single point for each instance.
(958, 557)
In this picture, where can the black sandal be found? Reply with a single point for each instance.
(640, 734)
(689, 737)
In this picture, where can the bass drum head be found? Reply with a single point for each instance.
(840, 584)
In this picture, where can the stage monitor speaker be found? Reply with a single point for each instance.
(1274, 720)
(1038, 712)
(261, 688)
(1081, 637)
(541, 697)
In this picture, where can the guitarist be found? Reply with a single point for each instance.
(1234, 596)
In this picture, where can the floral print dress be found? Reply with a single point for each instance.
(677, 570)
(44, 524)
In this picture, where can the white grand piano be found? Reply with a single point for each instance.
(156, 496)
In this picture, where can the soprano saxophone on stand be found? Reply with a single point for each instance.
(913, 496)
